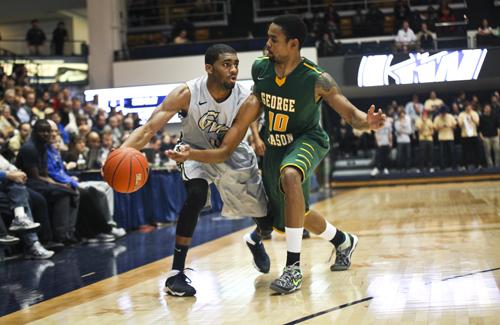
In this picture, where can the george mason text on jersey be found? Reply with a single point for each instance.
(278, 122)
(278, 103)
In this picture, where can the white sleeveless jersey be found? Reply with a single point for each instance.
(207, 121)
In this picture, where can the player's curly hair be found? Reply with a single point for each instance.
(213, 52)
(293, 27)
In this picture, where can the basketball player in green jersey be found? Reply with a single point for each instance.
(289, 88)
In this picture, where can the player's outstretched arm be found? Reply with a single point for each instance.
(177, 100)
(249, 112)
(327, 88)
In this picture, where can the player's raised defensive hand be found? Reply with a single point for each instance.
(375, 120)
(180, 153)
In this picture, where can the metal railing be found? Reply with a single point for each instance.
(264, 11)
(164, 14)
(20, 47)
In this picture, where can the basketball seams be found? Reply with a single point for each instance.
(119, 178)
(144, 169)
(117, 168)
(131, 180)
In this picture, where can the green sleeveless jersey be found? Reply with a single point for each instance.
(289, 103)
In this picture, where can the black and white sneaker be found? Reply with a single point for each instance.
(289, 281)
(344, 253)
(261, 260)
(23, 224)
(38, 252)
(8, 240)
(177, 284)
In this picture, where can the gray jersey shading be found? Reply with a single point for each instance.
(238, 179)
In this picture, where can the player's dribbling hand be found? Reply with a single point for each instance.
(375, 120)
(180, 153)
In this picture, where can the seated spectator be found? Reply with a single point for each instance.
(468, 121)
(444, 124)
(106, 144)
(63, 201)
(426, 39)
(326, 46)
(406, 39)
(114, 127)
(383, 139)
(404, 131)
(94, 153)
(100, 122)
(77, 152)
(15, 196)
(96, 198)
(8, 123)
(447, 16)
(19, 139)
(425, 129)
(433, 103)
(489, 125)
(182, 37)
(485, 35)
(152, 151)
(24, 111)
(38, 111)
(56, 117)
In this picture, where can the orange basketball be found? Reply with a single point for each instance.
(126, 170)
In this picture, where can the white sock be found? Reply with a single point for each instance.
(294, 239)
(329, 232)
(19, 212)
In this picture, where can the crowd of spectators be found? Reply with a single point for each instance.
(48, 137)
(462, 134)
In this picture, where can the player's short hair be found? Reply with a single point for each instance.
(213, 52)
(293, 27)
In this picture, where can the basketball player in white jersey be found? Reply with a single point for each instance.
(208, 105)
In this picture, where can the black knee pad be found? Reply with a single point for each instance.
(196, 190)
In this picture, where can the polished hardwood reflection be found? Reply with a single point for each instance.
(427, 254)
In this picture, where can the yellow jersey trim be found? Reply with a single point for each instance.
(280, 81)
(301, 155)
(312, 68)
(310, 154)
(295, 165)
(307, 144)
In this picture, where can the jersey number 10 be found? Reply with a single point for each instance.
(277, 122)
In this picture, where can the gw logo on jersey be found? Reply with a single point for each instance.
(216, 132)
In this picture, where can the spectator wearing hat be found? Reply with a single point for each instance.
(444, 123)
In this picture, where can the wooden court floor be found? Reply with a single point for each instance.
(427, 254)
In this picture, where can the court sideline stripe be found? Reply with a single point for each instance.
(303, 319)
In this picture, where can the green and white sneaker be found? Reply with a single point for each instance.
(344, 253)
(289, 281)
